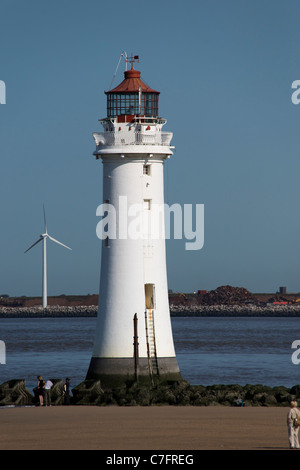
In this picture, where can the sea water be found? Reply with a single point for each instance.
(209, 350)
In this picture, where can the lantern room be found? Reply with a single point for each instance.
(132, 98)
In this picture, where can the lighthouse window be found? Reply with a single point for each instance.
(146, 170)
(147, 204)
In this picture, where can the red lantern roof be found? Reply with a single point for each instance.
(132, 83)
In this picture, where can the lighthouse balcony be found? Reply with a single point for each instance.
(111, 138)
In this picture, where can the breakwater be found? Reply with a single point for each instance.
(54, 311)
(237, 310)
(181, 393)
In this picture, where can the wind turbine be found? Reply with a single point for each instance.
(43, 238)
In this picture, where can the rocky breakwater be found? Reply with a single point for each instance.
(223, 310)
(180, 310)
(15, 393)
(181, 393)
(53, 311)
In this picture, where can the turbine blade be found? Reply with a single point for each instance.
(56, 241)
(39, 240)
(45, 223)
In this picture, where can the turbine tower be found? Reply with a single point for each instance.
(133, 337)
(43, 238)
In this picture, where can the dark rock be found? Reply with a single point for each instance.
(14, 392)
(295, 390)
(87, 392)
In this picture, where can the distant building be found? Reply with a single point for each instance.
(202, 292)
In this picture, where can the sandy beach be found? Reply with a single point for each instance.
(143, 428)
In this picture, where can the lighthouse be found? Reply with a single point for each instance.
(133, 338)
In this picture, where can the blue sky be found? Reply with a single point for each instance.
(224, 69)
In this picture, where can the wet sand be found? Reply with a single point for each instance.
(143, 428)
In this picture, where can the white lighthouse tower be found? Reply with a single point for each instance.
(133, 338)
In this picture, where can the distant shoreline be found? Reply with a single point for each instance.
(225, 301)
(58, 311)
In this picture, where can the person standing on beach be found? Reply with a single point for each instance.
(292, 429)
(66, 391)
(48, 386)
(40, 389)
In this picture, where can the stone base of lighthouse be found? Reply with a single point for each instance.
(116, 371)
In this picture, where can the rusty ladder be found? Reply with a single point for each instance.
(151, 343)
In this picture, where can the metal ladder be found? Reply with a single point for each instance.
(151, 344)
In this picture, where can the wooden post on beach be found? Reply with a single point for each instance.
(136, 347)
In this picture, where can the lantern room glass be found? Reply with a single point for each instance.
(128, 103)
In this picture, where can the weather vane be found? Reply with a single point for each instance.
(132, 59)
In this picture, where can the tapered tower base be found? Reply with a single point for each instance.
(116, 371)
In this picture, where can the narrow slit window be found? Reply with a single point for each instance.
(147, 170)
(147, 204)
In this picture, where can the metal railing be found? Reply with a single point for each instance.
(132, 138)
